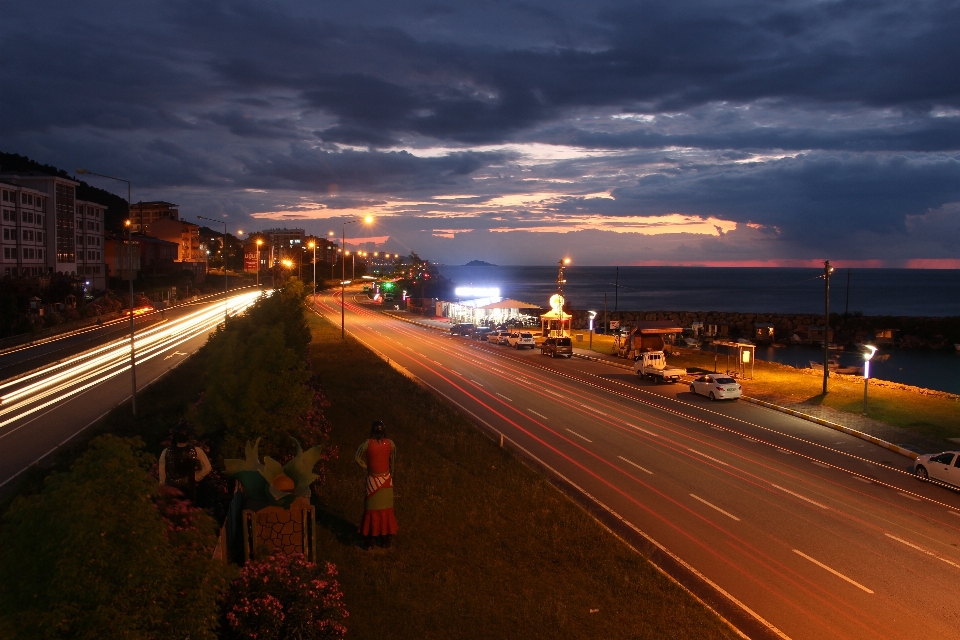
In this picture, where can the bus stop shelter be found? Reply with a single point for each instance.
(742, 353)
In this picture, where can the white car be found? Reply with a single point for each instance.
(498, 337)
(944, 467)
(716, 387)
(521, 340)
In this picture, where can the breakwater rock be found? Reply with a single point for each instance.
(898, 331)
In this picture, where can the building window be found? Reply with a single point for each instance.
(6, 195)
(39, 219)
(6, 255)
(39, 236)
(6, 234)
(40, 254)
(23, 198)
(30, 217)
(6, 212)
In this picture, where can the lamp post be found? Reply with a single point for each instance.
(259, 242)
(869, 351)
(343, 270)
(224, 250)
(313, 245)
(129, 225)
(827, 270)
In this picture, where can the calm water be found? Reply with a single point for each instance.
(906, 292)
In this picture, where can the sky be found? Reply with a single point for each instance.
(685, 132)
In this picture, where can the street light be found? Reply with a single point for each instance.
(343, 270)
(259, 242)
(313, 245)
(129, 225)
(224, 249)
(869, 351)
(827, 270)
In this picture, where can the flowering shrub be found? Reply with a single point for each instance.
(286, 597)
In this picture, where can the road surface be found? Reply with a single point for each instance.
(45, 407)
(789, 529)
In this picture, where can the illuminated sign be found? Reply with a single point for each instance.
(477, 292)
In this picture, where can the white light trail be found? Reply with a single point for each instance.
(56, 382)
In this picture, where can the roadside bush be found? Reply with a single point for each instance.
(98, 553)
(258, 377)
(286, 597)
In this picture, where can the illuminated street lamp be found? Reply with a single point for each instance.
(827, 270)
(223, 248)
(868, 353)
(129, 224)
(259, 242)
(313, 245)
(343, 271)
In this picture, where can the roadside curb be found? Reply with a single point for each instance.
(769, 405)
(833, 425)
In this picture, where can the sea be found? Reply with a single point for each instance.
(873, 292)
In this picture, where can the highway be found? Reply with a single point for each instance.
(75, 383)
(787, 528)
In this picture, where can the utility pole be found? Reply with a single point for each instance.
(616, 291)
(846, 307)
(827, 270)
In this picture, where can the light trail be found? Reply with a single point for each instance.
(54, 383)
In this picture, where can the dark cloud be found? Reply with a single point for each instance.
(687, 108)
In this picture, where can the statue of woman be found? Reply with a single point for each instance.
(377, 455)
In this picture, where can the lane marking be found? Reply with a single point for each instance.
(907, 495)
(554, 393)
(956, 513)
(538, 414)
(858, 477)
(475, 382)
(579, 436)
(797, 495)
(784, 451)
(594, 410)
(630, 462)
(649, 433)
(713, 506)
(708, 457)
(505, 397)
(820, 464)
(833, 571)
(920, 549)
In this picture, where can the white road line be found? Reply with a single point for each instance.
(505, 397)
(820, 464)
(920, 549)
(833, 571)
(708, 457)
(475, 382)
(649, 433)
(713, 506)
(538, 414)
(630, 462)
(797, 495)
(579, 436)
(956, 513)
(907, 495)
(863, 479)
(784, 451)
(592, 409)
(554, 393)
(717, 429)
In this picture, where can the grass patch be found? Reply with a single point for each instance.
(926, 414)
(488, 548)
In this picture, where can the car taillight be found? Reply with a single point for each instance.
(719, 388)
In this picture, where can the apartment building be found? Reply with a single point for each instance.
(23, 213)
(91, 259)
(282, 244)
(144, 214)
(52, 242)
(191, 253)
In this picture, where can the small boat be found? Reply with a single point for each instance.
(834, 365)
